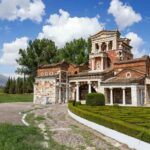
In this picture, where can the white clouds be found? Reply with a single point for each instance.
(136, 43)
(22, 9)
(63, 28)
(10, 51)
(124, 15)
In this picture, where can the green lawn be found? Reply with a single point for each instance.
(133, 121)
(7, 98)
(20, 138)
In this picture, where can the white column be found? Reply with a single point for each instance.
(89, 86)
(124, 96)
(134, 96)
(77, 91)
(59, 94)
(111, 96)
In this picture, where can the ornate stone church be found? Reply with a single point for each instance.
(112, 70)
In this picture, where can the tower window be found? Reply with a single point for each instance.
(110, 45)
(96, 46)
(103, 47)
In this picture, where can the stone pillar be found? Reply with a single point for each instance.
(77, 91)
(59, 94)
(134, 96)
(102, 63)
(145, 96)
(34, 96)
(124, 95)
(107, 48)
(89, 87)
(67, 93)
(111, 96)
(93, 64)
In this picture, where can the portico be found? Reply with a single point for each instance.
(79, 89)
(124, 95)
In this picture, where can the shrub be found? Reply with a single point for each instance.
(78, 103)
(95, 99)
(115, 124)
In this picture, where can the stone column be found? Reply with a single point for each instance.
(107, 48)
(111, 96)
(67, 93)
(89, 87)
(34, 96)
(145, 96)
(102, 63)
(134, 96)
(77, 91)
(124, 95)
(93, 64)
(59, 94)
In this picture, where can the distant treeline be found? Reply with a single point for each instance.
(19, 86)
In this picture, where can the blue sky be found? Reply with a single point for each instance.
(22, 20)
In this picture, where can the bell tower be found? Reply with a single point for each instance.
(108, 47)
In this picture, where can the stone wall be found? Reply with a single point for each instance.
(45, 90)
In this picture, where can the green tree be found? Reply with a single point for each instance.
(76, 51)
(38, 52)
(12, 87)
(6, 89)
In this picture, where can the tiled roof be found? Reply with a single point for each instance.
(59, 64)
(115, 80)
(144, 58)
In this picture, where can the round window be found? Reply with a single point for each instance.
(128, 75)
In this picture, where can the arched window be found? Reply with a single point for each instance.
(96, 46)
(103, 47)
(98, 65)
(108, 62)
(110, 45)
(75, 72)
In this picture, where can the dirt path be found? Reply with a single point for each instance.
(9, 112)
(70, 133)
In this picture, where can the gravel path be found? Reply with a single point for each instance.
(67, 131)
(9, 112)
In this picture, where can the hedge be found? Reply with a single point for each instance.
(118, 125)
(95, 99)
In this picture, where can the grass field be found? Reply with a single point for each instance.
(20, 138)
(7, 98)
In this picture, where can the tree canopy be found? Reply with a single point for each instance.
(76, 51)
(44, 51)
(37, 53)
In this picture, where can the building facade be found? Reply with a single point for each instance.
(112, 70)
